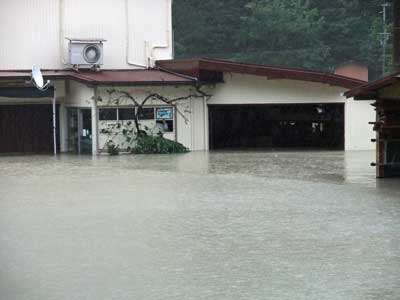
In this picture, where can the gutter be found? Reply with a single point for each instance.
(178, 74)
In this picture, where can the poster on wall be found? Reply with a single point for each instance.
(164, 113)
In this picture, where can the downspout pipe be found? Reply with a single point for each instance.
(128, 42)
(61, 31)
(168, 42)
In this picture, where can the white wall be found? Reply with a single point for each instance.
(33, 32)
(250, 89)
(78, 94)
(358, 133)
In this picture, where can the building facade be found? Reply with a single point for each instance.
(386, 93)
(240, 105)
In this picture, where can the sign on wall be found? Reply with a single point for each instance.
(164, 113)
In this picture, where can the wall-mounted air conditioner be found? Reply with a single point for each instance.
(86, 52)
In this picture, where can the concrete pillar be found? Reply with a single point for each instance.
(206, 129)
(95, 124)
(63, 128)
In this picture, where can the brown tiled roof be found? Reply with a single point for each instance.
(187, 71)
(201, 68)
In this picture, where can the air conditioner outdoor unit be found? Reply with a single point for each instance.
(86, 52)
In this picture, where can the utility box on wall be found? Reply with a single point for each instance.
(86, 52)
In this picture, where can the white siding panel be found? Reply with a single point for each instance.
(151, 25)
(28, 34)
(34, 31)
(98, 19)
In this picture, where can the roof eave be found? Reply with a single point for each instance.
(370, 91)
(195, 66)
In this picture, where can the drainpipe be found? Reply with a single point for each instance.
(396, 35)
(168, 32)
(128, 44)
(61, 32)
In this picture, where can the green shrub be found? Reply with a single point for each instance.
(157, 145)
(112, 149)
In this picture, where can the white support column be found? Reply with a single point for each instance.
(206, 129)
(63, 128)
(54, 123)
(95, 124)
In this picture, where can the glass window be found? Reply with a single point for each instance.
(146, 113)
(165, 113)
(126, 114)
(108, 114)
(165, 125)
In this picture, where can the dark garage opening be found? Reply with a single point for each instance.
(26, 128)
(291, 126)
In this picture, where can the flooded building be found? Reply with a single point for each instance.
(386, 92)
(85, 57)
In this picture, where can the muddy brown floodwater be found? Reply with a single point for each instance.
(223, 225)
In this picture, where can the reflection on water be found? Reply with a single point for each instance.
(223, 225)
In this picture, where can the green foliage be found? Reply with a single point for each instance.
(157, 145)
(351, 31)
(314, 34)
(282, 32)
(112, 149)
(207, 27)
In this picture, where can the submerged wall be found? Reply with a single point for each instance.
(188, 116)
(250, 89)
(191, 119)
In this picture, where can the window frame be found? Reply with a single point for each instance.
(108, 120)
(155, 109)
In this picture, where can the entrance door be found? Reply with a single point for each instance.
(80, 130)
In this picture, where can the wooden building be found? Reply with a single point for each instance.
(386, 93)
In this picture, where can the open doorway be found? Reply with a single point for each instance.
(79, 130)
(283, 126)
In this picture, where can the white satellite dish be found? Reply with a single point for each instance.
(37, 79)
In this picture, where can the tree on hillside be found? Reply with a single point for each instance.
(282, 32)
(207, 27)
(351, 31)
(317, 34)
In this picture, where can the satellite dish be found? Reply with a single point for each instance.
(37, 79)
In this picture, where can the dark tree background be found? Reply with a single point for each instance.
(312, 34)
